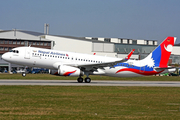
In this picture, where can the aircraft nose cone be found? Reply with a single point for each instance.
(4, 56)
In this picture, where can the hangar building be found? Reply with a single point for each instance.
(111, 47)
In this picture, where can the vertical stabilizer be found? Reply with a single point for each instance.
(160, 56)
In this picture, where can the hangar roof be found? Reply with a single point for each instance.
(37, 34)
(32, 33)
(24, 31)
(80, 38)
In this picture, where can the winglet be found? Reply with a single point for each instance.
(130, 54)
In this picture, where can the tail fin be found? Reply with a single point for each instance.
(161, 54)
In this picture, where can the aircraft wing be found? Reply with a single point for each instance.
(93, 67)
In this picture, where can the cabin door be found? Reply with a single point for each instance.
(27, 53)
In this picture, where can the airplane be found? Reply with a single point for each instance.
(65, 63)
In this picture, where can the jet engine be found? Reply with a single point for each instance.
(69, 71)
(53, 72)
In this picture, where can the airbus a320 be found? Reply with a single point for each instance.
(65, 63)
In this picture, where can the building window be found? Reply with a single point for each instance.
(134, 42)
(10, 48)
(107, 39)
(18, 42)
(37, 43)
(30, 43)
(22, 42)
(45, 44)
(14, 42)
(94, 38)
(34, 43)
(1, 41)
(6, 49)
(26, 43)
(10, 42)
(125, 41)
(1, 48)
(5, 42)
(49, 44)
(41, 43)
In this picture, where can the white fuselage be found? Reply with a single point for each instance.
(51, 59)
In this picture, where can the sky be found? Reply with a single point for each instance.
(132, 19)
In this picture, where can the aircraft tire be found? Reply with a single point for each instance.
(23, 74)
(87, 80)
(80, 80)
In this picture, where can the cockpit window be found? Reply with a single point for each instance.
(14, 51)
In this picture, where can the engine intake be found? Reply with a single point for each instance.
(53, 72)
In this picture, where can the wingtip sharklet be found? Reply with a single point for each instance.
(130, 54)
(175, 39)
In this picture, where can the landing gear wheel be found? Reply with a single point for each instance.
(80, 80)
(87, 80)
(23, 74)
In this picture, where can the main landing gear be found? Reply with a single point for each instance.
(86, 80)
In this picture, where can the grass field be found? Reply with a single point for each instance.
(83, 102)
(89, 102)
(93, 77)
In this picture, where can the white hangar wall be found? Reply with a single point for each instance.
(176, 50)
(102, 47)
(81, 46)
(70, 44)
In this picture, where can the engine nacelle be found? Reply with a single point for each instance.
(69, 71)
(53, 72)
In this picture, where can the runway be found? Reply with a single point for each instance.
(93, 83)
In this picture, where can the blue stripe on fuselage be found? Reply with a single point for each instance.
(144, 68)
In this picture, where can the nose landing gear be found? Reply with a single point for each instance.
(23, 74)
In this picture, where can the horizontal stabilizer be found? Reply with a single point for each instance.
(163, 68)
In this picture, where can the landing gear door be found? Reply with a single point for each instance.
(27, 53)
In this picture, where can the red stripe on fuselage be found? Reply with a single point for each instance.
(139, 72)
